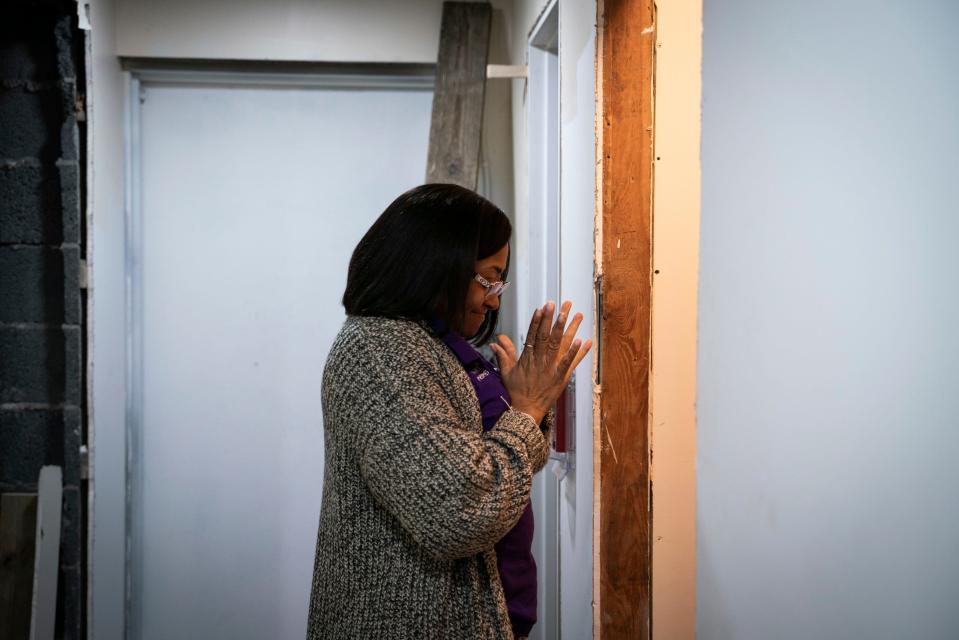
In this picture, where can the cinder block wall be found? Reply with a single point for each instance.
(42, 312)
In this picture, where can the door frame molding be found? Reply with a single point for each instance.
(648, 88)
(532, 239)
(360, 75)
(625, 77)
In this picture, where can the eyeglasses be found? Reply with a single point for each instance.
(492, 288)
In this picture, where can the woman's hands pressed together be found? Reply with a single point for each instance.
(538, 376)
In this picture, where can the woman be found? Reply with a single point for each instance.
(430, 450)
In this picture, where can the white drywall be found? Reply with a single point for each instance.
(330, 31)
(106, 328)
(827, 404)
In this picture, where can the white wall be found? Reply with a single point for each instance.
(827, 404)
(329, 30)
(105, 218)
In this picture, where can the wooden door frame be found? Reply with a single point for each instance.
(625, 54)
(648, 87)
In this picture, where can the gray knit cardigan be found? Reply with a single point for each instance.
(415, 494)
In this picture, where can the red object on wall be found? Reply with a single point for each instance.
(561, 428)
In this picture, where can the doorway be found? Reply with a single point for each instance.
(248, 192)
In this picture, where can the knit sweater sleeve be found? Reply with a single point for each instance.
(456, 491)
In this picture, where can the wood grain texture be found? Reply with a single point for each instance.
(458, 97)
(627, 69)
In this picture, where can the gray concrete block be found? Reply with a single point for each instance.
(28, 50)
(30, 205)
(29, 439)
(71, 284)
(69, 603)
(68, 96)
(72, 365)
(31, 284)
(72, 437)
(32, 366)
(31, 124)
(63, 36)
(70, 527)
(40, 57)
(27, 53)
(70, 134)
(70, 200)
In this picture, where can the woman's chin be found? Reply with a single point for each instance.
(472, 326)
(471, 329)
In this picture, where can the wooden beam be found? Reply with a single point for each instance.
(457, 120)
(626, 47)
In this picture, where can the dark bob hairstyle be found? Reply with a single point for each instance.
(416, 261)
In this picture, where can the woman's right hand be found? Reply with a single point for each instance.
(536, 378)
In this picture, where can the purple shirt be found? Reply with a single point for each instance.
(514, 556)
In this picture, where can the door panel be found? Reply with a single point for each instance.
(252, 199)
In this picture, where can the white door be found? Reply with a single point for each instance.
(541, 268)
(251, 194)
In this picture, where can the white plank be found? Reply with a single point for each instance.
(47, 559)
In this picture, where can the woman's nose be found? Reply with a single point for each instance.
(491, 303)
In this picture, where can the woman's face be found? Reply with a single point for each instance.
(477, 303)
